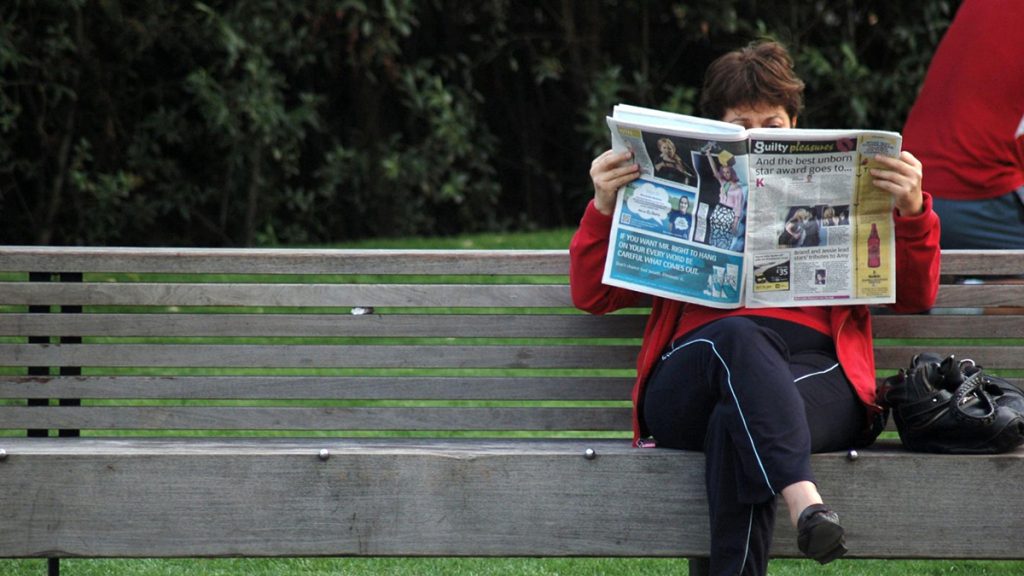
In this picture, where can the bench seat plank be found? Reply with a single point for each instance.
(274, 497)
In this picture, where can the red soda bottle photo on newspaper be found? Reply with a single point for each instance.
(874, 248)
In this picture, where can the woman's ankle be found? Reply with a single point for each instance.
(798, 496)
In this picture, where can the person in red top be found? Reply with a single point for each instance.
(758, 390)
(967, 127)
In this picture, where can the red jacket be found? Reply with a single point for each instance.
(917, 275)
(967, 124)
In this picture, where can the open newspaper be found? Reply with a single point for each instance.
(728, 217)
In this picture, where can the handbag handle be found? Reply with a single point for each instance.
(973, 387)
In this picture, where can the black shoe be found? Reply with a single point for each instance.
(819, 535)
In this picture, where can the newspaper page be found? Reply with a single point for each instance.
(678, 230)
(727, 217)
(818, 231)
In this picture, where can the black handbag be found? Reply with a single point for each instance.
(953, 407)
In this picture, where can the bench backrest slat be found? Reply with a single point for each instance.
(455, 388)
(275, 261)
(324, 325)
(947, 326)
(322, 419)
(1004, 357)
(222, 341)
(978, 296)
(316, 356)
(977, 263)
(289, 295)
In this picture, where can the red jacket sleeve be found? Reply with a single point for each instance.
(917, 260)
(587, 253)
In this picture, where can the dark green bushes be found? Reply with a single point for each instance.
(268, 122)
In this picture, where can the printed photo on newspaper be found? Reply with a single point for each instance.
(728, 217)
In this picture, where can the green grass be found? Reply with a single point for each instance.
(558, 239)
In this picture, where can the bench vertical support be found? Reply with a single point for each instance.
(38, 370)
(52, 564)
(700, 566)
(70, 370)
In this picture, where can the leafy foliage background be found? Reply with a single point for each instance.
(288, 122)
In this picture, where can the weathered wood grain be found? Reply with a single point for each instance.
(305, 261)
(450, 498)
(980, 296)
(248, 260)
(282, 261)
(980, 263)
(265, 496)
(405, 356)
(349, 295)
(948, 326)
(288, 295)
(413, 388)
(991, 357)
(461, 325)
(316, 356)
(313, 418)
(326, 325)
(460, 388)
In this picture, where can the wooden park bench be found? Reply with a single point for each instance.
(210, 403)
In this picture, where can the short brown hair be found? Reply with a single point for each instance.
(761, 73)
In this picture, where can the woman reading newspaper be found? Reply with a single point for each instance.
(758, 390)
